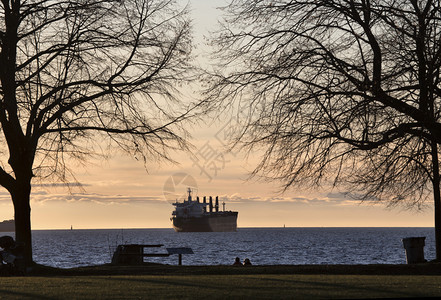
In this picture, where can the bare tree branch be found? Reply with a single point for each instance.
(73, 71)
(342, 92)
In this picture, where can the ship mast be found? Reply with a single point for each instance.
(189, 194)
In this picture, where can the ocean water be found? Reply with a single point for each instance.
(263, 246)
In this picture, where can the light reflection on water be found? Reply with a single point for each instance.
(263, 246)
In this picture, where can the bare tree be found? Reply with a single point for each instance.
(342, 92)
(76, 72)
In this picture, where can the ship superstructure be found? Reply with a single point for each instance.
(196, 216)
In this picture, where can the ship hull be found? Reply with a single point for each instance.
(213, 222)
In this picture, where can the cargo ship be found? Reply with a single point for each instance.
(196, 216)
(7, 226)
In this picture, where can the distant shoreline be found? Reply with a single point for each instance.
(7, 226)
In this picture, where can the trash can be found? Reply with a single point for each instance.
(414, 249)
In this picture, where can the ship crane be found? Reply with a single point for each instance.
(189, 194)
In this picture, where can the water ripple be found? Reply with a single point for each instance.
(263, 246)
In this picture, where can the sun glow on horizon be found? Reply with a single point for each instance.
(122, 193)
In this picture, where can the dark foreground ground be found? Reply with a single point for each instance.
(156, 281)
(433, 268)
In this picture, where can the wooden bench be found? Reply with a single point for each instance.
(133, 254)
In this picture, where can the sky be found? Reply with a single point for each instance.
(122, 192)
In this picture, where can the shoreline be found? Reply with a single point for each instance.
(429, 268)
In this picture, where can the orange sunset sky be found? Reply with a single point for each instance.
(122, 193)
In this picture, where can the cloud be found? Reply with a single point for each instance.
(43, 196)
(68, 184)
(328, 199)
(350, 196)
(5, 197)
(94, 198)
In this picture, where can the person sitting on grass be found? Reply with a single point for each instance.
(247, 262)
(11, 256)
(7, 244)
(237, 262)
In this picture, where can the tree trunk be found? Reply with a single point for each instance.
(22, 216)
(437, 199)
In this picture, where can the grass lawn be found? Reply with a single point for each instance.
(188, 286)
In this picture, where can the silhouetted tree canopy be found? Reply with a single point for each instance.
(343, 92)
(76, 73)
